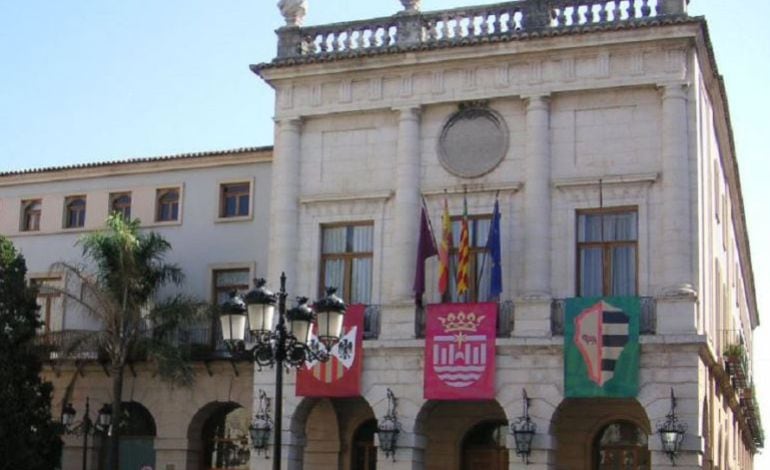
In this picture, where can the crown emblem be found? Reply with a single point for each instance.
(461, 322)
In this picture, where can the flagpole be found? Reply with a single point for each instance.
(486, 250)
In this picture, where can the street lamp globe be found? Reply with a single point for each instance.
(330, 312)
(105, 416)
(233, 318)
(300, 320)
(68, 415)
(260, 303)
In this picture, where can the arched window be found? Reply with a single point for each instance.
(484, 447)
(167, 204)
(226, 439)
(30, 221)
(622, 446)
(75, 212)
(121, 203)
(364, 456)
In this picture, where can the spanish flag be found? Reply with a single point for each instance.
(463, 254)
(443, 251)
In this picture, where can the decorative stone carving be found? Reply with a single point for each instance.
(293, 11)
(411, 6)
(473, 141)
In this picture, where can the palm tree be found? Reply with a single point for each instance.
(119, 290)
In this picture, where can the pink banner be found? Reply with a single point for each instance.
(460, 351)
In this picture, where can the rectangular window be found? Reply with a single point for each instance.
(121, 203)
(607, 242)
(346, 261)
(479, 265)
(31, 211)
(234, 199)
(229, 280)
(74, 211)
(50, 301)
(167, 205)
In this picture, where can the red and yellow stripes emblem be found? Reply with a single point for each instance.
(463, 254)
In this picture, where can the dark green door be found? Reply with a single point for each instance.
(137, 453)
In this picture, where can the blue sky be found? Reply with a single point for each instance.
(95, 80)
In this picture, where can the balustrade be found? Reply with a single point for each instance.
(465, 24)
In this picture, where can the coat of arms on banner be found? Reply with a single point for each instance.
(460, 351)
(340, 376)
(601, 347)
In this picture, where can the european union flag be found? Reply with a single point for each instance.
(493, 248)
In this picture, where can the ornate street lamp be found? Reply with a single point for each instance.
(87, 426)
(388, 428)
(289, 343)
(671, 432)
(523, 430)
(262, 425)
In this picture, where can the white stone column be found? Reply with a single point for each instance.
(406, 213)
(284, 206)
(675, 241)
(537, 200)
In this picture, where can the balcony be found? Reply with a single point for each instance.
(504, 320)
(647, 319)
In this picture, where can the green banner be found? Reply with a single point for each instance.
(601, 347)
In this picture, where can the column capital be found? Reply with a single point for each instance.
(537, 100)
(411, 111)
(289, 121)
(675, 90)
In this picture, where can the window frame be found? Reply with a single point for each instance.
(159, 194)
(46, 309)
(222, 212)
(121, 210)
(606, 247)
(28, 222)
(346, 257)
(68, 201)
(473, 252)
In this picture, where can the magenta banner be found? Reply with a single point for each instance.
(460, 351)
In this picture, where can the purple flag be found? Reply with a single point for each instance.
(426, 247)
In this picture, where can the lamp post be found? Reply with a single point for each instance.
(86, 426)
(523, 429)
(289, 343)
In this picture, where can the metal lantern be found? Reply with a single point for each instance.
(105, 416)
(300, 320)
(260, 303)
(523, 430)
(68, 415)
(262, 425)
(330, 312)
(672, 431)
(388, 428)
(233, 318)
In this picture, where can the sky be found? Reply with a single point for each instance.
(99, 80)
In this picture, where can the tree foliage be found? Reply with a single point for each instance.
(29, 438)
(128, 270)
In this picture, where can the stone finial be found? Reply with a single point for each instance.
(411, 6)
(293, 11)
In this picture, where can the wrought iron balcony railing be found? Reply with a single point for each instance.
(647, 319)
(505, 320)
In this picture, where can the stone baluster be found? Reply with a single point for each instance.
(672, 7)
(616, 14)
(406, 210)
(537, 200)
(576, 14)
(284, 207)
(675, 244)
(457, 33)
(646, 8)
(445, 27)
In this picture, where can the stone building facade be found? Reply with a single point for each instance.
(563, 111)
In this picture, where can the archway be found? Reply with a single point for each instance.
(324, 431)
(579, 423)
(364, 454)
(456, 432)
(484, 447)
(137, 438)
(218, 437)
(621, 446)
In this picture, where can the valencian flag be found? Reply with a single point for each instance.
(443, 251)
(463, 254)
(601, 347)
(460, 351)
(341, 375)
(493, 248)
(426, 247)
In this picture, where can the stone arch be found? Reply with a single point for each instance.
(444, 424)
(197, 427)
(137, 437)
(577, 421)
(322, 431)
